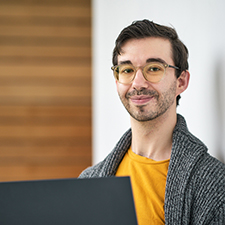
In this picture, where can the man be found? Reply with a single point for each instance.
(174, 179)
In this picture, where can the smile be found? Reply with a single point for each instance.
(140, 100)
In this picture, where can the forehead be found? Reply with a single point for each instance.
(138, 51)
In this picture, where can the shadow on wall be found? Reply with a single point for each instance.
(220, 107)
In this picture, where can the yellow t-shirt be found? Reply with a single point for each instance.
(148, 179)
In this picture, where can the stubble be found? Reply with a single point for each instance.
(159, 104)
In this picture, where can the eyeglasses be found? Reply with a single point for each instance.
(152, 72)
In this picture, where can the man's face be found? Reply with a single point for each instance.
(144, 100)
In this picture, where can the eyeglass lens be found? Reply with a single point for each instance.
(153, 72)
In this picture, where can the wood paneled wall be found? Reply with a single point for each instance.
(45, 88)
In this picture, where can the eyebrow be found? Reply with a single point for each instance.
(147, 61)
(125, 62)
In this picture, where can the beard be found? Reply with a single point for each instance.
(159, 103)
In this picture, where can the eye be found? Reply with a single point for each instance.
(154, 68)
(126, 69)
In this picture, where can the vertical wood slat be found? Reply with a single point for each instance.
(45, 89)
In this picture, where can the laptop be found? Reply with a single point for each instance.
(95, 201)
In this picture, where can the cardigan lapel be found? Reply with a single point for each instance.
(112, 162)
(186, 151)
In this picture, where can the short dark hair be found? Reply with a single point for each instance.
(146, 28)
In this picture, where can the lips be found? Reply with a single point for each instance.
(140, 100)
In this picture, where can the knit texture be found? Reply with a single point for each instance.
(195, 187)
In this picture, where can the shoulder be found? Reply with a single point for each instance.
(190, 160)
(109, 165)
(92, 171)
(196, 150)
(210, 172)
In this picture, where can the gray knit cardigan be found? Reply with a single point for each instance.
(195, 187)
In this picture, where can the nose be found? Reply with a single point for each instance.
(139, 81)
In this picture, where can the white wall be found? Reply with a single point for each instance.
(201, 26)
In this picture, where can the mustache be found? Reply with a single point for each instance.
(142, 92)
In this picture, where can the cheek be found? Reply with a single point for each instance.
(117, 84)
(122, 89)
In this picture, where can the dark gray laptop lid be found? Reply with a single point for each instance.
(100, 201)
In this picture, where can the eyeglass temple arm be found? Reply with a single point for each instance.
(175, 67)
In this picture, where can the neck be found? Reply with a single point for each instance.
(153, 139)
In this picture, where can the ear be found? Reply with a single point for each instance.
(182, 82)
